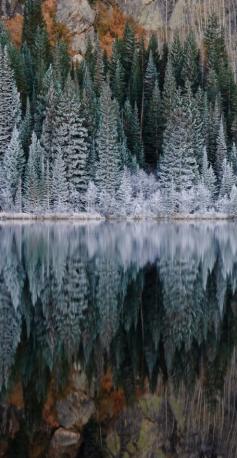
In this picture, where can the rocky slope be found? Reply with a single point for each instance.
(82, 17)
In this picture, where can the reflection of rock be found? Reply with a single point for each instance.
(3, 449)
(9, 421)
(79, 18)
(64, 444)
(75, 411)
(77, 408)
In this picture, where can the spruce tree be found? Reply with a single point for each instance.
(12, 169)
(190, 66)
(221, 151)
(169, 91)
(127, 50)
(228, 179)
(152, 125)
(71, 137)
(33, 182)
(9, 102)
(99, 75)
(60, 194)
(133, 132)
(107, 145)
(178, 162)
(176, 56)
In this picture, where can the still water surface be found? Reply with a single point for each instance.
(152, 307)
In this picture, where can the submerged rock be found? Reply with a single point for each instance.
(64, 444)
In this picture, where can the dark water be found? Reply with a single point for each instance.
(154, 305)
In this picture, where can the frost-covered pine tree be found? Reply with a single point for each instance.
(91, 197)
(208, 175)
(203, 197)
(233, 158)
(178, 162)
(233, 201)
(169, 92)
(221, 151)
(60, 194)
(107, 144)
(124, 194)
(12, 169)
(228, 179)
(71, 137)
(9, 102)
(34, 177)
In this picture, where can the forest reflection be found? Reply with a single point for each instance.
(155, 303)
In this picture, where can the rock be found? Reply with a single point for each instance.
(64, 444)
(79, 17)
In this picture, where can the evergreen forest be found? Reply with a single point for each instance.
(149, 130)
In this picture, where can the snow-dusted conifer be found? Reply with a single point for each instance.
(208, 175)
(109, 160)
(91, 197)
(12, 168)
(33, 185)
(124, 193)
(9, 102)
(228, 179)
(60, 193)
(221, 151)
(178, 162)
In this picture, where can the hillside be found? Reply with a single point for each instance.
(80, 18)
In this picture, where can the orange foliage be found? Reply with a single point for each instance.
(15, 27)
(56, 30)
(49, 413)
(110, 401)
(110, 24)
(15, 397)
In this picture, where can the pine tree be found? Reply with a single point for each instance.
(13, 165)
(43, 99)
(177, 162)
(26, 128)
(169, 92)
(154, 49)
(99, 75)
(71, 137)
(192, 108)
(49, 121)
(33, 19)
(176, 57)
(133, 133)
(60, 195)
(61, 63)
(124, 194)
(221, 151)
(91, 197)
(34, 183)
(228, 179)
(109, 160)
(152, 126)
(233, 158)
(208, 175)
(136, 80)
(213, 130)
(190, 67)
(150, 79)
(127, 51)
(9, 102)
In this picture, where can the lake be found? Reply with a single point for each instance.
(118, 340)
